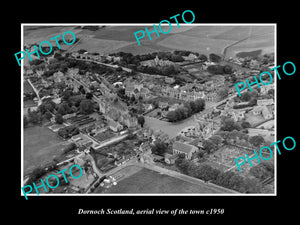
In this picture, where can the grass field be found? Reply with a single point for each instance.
(171, 129)
(100, 45)
(149, 181)
(40, 146)
(201, 45)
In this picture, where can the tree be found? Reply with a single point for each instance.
(141, 120)
(89, 95)
(182, 164)
(228, 124)
(245, 124)
(25, 121)
(199, 104)
(223, 179)
(66, 95)
(159, 148)
(203, 57)
(61, 110)
(227, 69)
(246, 96)
(58, 118)
(74, 109)
(86, 107)
(205, 172)
(172, 116)
(256, 140)
(237, 183)
(201, 154)
(35, 117)
(209, 146)
(48, 115)
(36, 174)
(271, 92)
(259, 172)
(216, 139)
(132, 99)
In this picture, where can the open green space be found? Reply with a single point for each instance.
(41, 145)
(149, 181)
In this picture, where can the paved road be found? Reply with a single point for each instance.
(36, 92)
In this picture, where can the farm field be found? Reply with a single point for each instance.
(40, 146)
(100, 45)
(191, 43)
(202, 39)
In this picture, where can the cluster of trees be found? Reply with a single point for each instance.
(225, 179)
(38, 172)
(263, 170)
(219, 69)
(228, 124)
(128, 59)
(47, 49)
(141, 120)
(159, 148)
(71, 104)
(188, 109)
(249, 97)
(67, 132)
(215, 58)
(256, 55)
(86, 107)
(43, 113)
(237, 137)
(212, 144)
(236, 182)
(167, 70)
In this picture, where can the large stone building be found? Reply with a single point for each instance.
(183, 148)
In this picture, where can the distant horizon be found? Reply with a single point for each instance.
(201, 38)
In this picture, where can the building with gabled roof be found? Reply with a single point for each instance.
(183, 148)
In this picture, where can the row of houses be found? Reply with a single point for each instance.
(96, 57)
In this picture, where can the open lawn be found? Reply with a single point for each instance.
(254, 119)
(40, 146)
(171, 129)
(149, 181)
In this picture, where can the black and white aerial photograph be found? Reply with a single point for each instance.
(108, 112)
